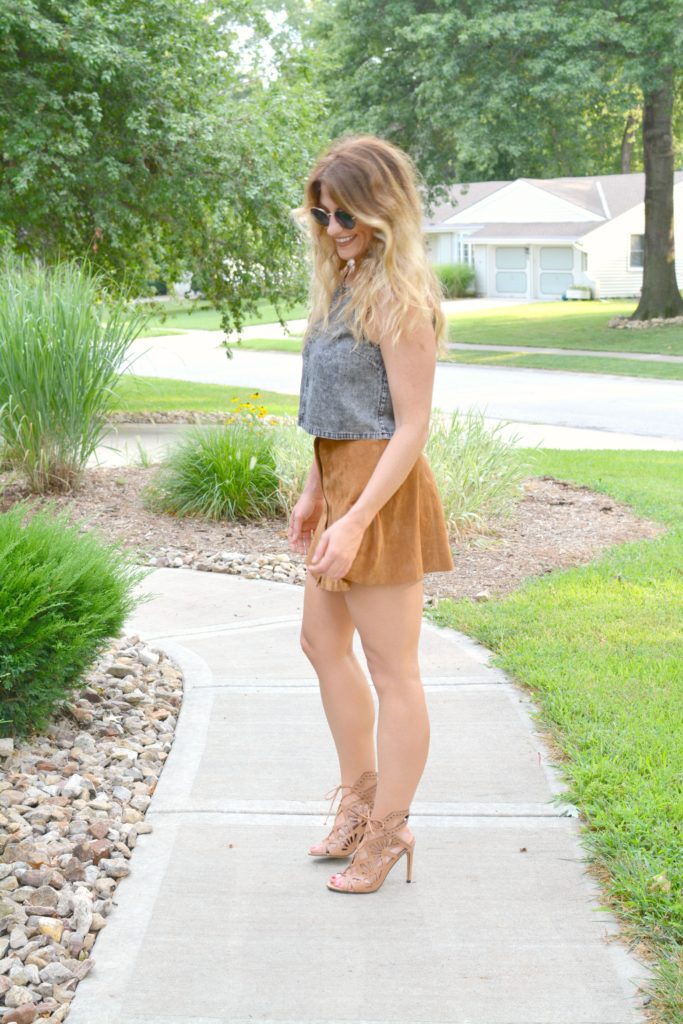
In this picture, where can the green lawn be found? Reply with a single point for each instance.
(154, 394)
(184, 316)
(600, 648)
(564, 325)
(577, 364)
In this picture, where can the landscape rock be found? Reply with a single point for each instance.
(21, 1014)
(17, 995)
(72, 807)
(623, 321)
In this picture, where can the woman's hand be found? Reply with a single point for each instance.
(304, 519)
(337, 548)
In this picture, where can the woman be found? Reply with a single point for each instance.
(369, 519)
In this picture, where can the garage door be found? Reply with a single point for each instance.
(511, 270)
(555, 271)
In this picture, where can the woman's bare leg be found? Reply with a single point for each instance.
(327, 641)
(389, 619)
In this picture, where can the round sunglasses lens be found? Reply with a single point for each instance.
(321, 216)
(345, 219)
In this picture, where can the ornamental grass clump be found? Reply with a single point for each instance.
(457, 279)
(293, 450)
(63, 595)
(478, 473)
(63, 341)
(225, 472)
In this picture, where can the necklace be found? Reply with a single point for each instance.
(348, 272)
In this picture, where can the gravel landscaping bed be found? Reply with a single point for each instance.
(72, 806)
(555, 525)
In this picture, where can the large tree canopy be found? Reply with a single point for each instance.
(495, 89)
(150, 135)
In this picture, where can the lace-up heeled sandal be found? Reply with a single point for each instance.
(378, 851)
(351, 818)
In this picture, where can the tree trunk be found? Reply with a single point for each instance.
(627, 141)
(660, 296)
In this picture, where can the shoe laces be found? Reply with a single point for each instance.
(338, 789)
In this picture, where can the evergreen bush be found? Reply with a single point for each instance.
(63, 594)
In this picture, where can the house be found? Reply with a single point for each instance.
(535, 237)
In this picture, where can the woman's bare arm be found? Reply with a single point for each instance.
(410, 369)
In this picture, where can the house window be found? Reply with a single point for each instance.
(636, 256)
(463, 250)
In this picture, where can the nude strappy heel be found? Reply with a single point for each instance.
(378, 851)
(351, 818)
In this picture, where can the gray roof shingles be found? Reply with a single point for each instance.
(621, 193)
(570, 230)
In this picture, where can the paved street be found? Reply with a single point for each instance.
(638, 408)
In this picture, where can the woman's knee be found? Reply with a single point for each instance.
(308, 646)
(323, 648)
(391, 677)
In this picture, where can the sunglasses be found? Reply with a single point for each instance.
(346, 220)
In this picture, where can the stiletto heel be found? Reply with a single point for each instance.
(409, 862)
(351, 819)
(378, 851)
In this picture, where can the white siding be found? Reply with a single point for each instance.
(608, 249)
(446, 247)
(521, 202)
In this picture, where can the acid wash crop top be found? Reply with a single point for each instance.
(344, 390)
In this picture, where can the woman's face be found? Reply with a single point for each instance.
(351, 244)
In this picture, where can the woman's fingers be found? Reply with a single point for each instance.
(327, 561)
(321, 549)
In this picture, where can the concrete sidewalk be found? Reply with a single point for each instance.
(224, 918)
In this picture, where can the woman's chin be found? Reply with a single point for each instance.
(354, 252)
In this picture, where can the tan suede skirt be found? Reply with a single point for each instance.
(406, 539)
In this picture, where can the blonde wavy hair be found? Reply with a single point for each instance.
(378, 184)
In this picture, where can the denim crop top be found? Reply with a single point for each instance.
(344, 386)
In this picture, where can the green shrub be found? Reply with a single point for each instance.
(253, 469)
(456, 279)
(63, 594)
(225, 472)
(478, 473)
(62, 345)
